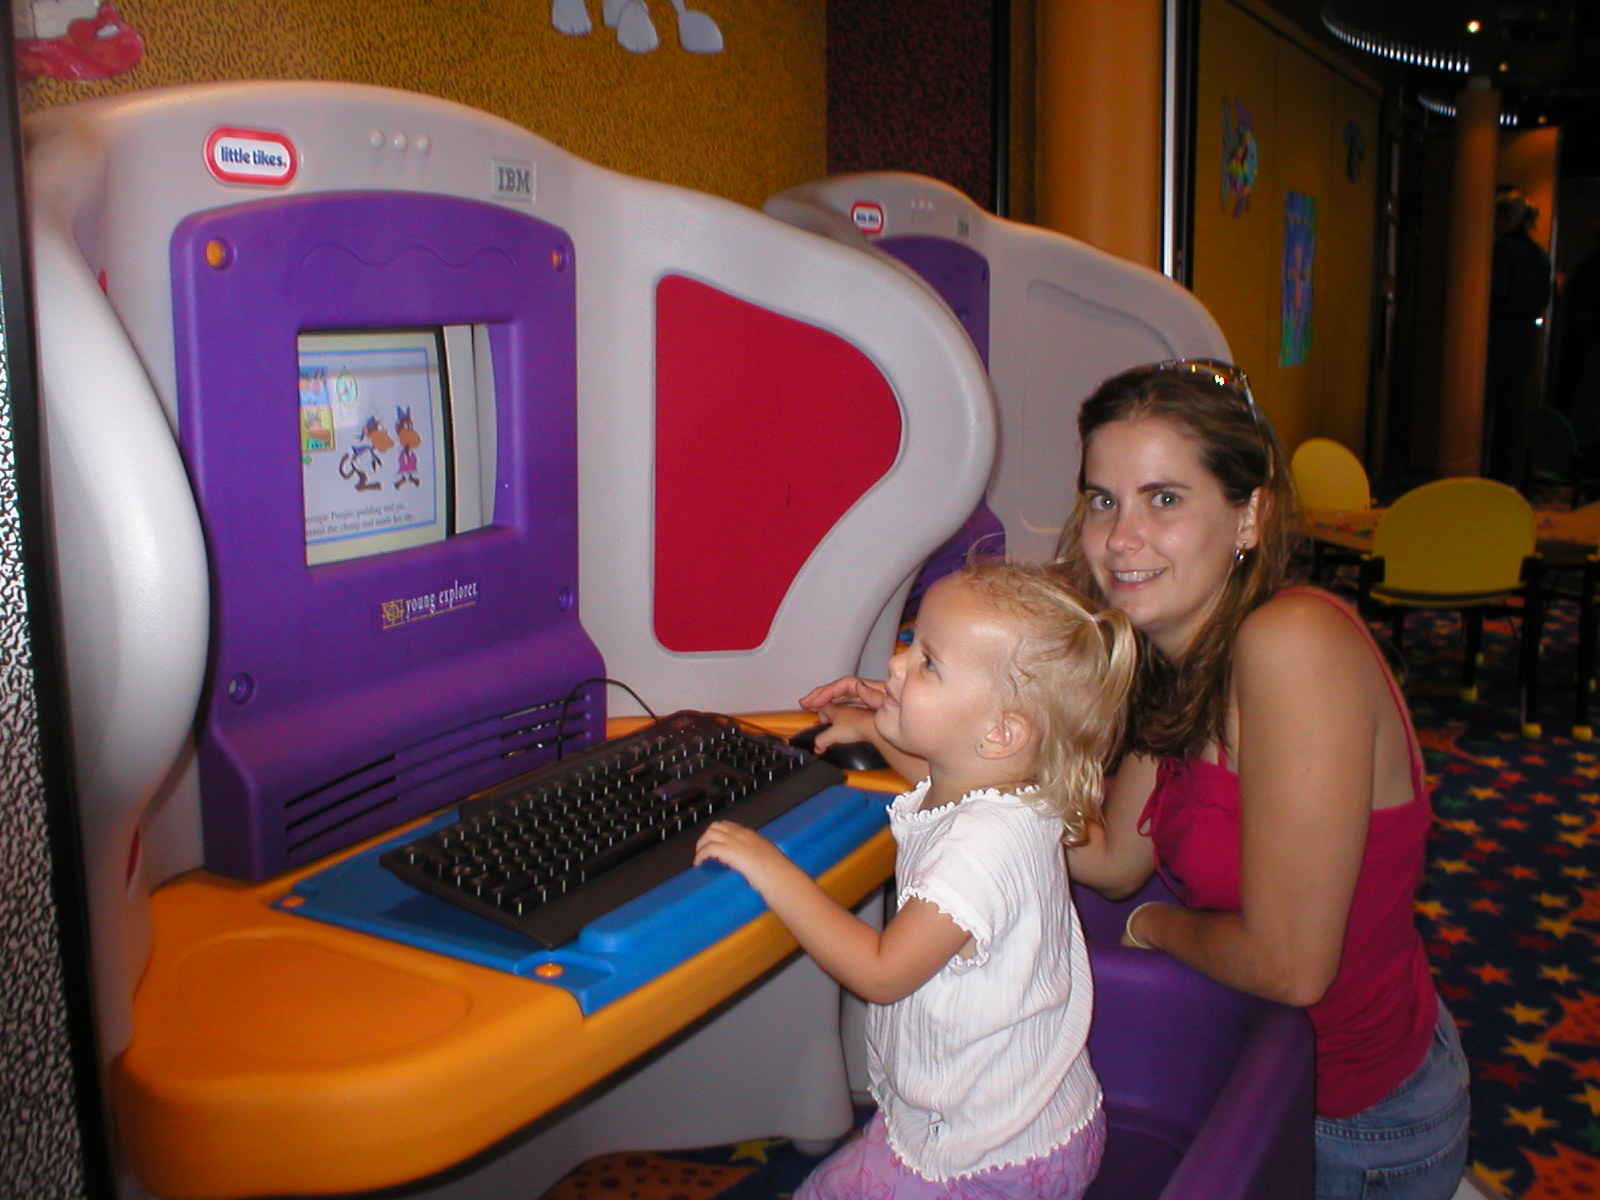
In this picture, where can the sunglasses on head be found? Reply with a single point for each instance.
(1213, 371)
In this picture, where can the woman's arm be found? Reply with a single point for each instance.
(880, 967)
(1311, 697)
(848, 705)
(1117, 859)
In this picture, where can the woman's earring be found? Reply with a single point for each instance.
(1238, 553)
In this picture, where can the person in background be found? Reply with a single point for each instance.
(1010, 698)
(1519, 293)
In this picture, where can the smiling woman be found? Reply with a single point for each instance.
(1272, 775)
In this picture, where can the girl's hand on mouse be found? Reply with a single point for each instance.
(847, 723)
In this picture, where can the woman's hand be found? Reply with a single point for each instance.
(1115, 859)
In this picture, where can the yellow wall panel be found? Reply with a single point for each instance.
(1300, 107)
(1234, 269)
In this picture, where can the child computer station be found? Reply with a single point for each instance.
(396, 453)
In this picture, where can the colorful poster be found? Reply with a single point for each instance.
(1239, 161)
(1299, 253)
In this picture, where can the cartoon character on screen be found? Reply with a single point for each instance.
(374, 438)
(405, 431)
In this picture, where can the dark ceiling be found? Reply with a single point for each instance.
(1543, 56)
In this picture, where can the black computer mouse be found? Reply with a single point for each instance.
(847, 756)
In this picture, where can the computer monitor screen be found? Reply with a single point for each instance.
(374, 442)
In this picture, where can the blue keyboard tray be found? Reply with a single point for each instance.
(614, 954)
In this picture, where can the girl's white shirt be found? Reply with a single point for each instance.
(986, 1065)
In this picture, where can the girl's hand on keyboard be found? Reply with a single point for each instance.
(741, 848)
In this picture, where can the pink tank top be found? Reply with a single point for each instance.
(1374, 1023)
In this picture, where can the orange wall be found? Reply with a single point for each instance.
(1299, 106)
(743, 124)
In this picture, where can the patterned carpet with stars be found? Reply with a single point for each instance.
(1510, 912)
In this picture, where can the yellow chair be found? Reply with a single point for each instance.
(1329, 477)
(1465, 545)
(1461, 544)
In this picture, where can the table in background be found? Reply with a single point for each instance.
(1567, 543)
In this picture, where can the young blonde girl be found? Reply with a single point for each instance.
(1011, 693)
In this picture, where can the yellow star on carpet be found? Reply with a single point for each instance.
(1571, 819)
(1468, 826)
(1531, 1119)
(756, 1148)
(1534, 1052)
(1578, 840)
(1587, 772)
(1560, 928)
(1561, 973)
(1579, 872)
(1484, 793)
(1431, 908)
(1452, 866)
(1500, 1181)
(1523, 1015)
(1496, 763)
(1590, 1096)
(1549, 901)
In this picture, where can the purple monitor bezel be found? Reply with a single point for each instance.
(319, 687)
(955, 270)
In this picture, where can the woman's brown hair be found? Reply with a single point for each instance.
(1179, 707)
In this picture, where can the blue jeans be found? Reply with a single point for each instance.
(1412, 1144)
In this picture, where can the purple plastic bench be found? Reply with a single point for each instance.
(1208, 1090)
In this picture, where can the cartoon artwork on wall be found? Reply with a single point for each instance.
(73, 39)
(1299, 252)
(1239, 166)
(636, 31)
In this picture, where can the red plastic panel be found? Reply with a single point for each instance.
(767, 431)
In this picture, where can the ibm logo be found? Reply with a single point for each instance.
(514, 180)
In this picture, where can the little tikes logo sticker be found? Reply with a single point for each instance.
(251, 156)
(867, 217)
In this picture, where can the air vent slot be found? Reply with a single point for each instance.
(437, 772)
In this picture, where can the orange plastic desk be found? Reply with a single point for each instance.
(274, 1054)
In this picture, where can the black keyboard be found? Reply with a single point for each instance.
(549, 851)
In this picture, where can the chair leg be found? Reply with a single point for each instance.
(1581, 729)
(1528, 654)
(1472, 619)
